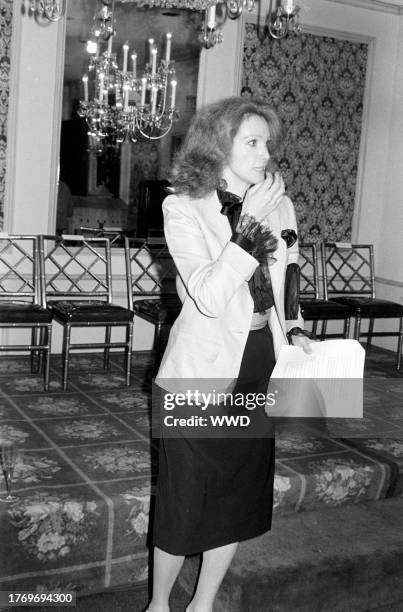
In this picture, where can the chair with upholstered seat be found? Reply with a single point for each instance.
(152, 280)
(314, 307)
(21, 306)
(350, 281)
(78, 288)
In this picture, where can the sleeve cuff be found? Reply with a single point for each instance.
(244, 243)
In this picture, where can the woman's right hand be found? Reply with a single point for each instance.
(263, 197)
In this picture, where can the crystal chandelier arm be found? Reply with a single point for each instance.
(160, 135)
(276, 29)
(234, 8)
(210, 33)
(54, 10)
(164, 98)
(286, 19)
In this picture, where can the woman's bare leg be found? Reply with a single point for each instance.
(214, 567)
(165, 571)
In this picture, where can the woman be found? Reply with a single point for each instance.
(232, 234)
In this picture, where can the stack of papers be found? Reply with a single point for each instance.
(326, 383)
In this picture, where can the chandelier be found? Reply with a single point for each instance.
(283, 19)
(53, 10)
(119, 104)
(211, 31)
(280, 21)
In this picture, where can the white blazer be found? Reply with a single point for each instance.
(208, 338)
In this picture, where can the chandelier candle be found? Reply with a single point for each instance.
(173, 93)
(134, 65)
(154, 61)
(110, 42)
(151, 47)
(143, 91)
(101, 86)
(288, 6)
(125, 52)
(126, 99)
(153, 100)
(168, 47)
(85, 83)
(211, 17)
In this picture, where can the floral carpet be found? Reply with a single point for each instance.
(85, 469)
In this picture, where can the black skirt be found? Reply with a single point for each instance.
(212, 492)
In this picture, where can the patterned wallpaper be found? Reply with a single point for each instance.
(6, 13)
(316, 83)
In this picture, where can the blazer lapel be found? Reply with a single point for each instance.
(209, 210)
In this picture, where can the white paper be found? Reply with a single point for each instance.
(325, 383)
(329, 359)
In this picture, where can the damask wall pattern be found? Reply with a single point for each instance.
(316, 83)
(6, 14)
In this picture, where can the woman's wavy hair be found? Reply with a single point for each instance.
(198, 166)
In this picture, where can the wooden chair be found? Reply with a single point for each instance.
(21, 305)
(152, 292)
(313, 307)
(115, 234)
(78, 290)
(350, 280)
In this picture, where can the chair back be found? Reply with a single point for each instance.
(76, 267)
(348, 269)
(151, 269)
(115, 234)
(309, 271)
(19, 268)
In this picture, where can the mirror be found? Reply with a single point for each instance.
(120, 188)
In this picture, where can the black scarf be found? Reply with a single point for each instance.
(260, 283)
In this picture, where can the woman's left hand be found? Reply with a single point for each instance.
(303, 342)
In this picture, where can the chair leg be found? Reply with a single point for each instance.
(400, 344)
(347, 327)
(370, 332)
(47, 336)
(314, 327)
(128, 352)
(324, 329)
(157, 344)
(34, 353)
(43, 340)
(357, 327)
(107, 350)
(66, 355)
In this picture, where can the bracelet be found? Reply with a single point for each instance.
(298, 331)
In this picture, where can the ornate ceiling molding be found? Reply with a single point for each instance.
(385, 6)
(194, 5)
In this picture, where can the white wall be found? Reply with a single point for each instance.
(37, 57)
(390, 258)
(36, 88)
